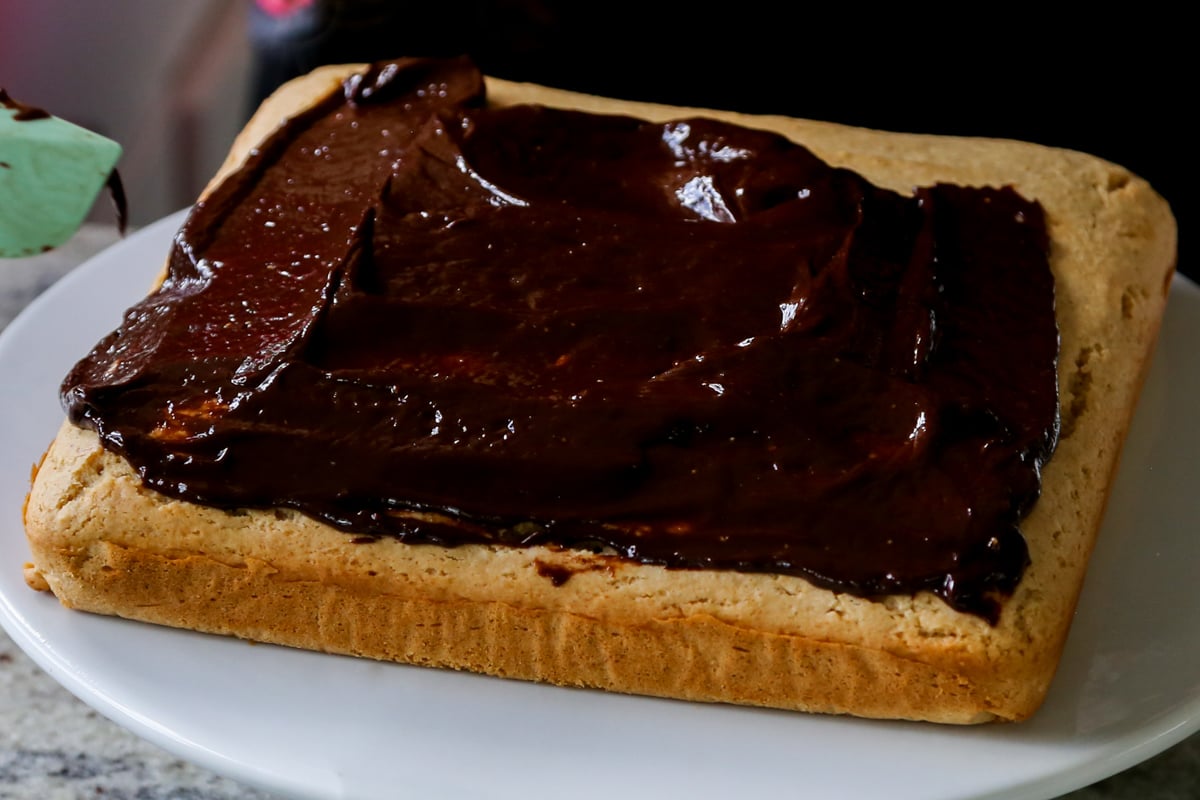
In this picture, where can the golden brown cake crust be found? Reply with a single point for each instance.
(103, 543)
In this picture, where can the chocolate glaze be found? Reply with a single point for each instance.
(555, 573)
(116, 190)
(25, 112)
(691, 344)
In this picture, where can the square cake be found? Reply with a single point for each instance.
(454, 371)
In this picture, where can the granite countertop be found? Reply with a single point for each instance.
(54, 746)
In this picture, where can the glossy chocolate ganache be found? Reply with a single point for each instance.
(688, 343)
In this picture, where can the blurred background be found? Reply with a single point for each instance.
(174, 81)
(167, 80)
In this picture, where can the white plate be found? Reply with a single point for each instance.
(317, 726)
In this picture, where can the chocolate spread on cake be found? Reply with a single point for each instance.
(688, 343)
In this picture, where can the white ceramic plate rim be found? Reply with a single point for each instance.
(315, 726)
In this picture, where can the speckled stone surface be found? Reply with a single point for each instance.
(54, 747)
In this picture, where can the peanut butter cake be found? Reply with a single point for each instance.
(453, 371)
